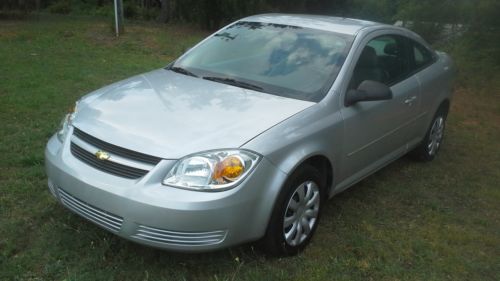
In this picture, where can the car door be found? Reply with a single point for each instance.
(375, 132)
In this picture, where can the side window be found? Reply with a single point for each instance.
(421, 56)
(384, 59)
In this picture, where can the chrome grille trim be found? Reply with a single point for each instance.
(114, 158)
(100, 217)
(106, 166)
(117, 150)
(178, 238)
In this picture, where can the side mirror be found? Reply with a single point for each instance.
(368, 90)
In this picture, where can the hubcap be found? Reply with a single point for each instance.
(301, 213)
(436, 135)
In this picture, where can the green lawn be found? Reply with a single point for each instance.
(410, 221)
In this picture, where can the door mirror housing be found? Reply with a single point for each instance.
(368, 90)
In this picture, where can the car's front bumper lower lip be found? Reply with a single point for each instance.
(149, 213)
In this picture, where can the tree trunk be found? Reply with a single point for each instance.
(164, 12)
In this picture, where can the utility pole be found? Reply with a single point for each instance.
(119, 17)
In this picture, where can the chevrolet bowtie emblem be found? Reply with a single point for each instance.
(102, 155)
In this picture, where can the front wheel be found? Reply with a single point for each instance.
(296, 213)
(430, 145)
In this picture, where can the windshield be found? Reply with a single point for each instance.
(283, 60)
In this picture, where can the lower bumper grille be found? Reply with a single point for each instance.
(178, 238)
(100, 217)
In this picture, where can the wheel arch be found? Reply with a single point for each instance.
(444, 106)
(324, 166)
(320, 162)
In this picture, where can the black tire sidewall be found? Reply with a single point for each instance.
(422, 151)
(274, 240)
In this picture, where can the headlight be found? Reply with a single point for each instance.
(212, 170)
(63, 128)
(65, 123)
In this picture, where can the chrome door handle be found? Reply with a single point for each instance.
(410, 100)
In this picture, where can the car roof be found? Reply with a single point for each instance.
(328, 23)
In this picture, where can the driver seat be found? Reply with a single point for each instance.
(367, 68)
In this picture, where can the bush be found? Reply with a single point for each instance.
(60, 7)
(104, 11)
(13, 15)
(148, 14)
(130, 10)
(432, 32)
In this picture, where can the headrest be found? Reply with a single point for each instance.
(391, 49)
(368, 57)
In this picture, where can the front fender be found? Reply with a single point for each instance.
(315, 131)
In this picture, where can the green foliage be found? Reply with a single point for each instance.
(476, 50)
(60, 7)
(148, 14)
(212, 14)
(376, 10)
(130, 10)
(106, 11)
(16, 8)
(446, 11)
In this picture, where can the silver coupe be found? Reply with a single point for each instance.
(246, 135)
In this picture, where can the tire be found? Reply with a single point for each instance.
(299, 206)
(432, 142)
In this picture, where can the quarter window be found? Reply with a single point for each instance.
(421, 56)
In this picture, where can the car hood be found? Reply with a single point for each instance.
(170, 115)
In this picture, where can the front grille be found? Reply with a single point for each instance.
(169, 237)
(113, 149)
(106, 166)
(100, 217)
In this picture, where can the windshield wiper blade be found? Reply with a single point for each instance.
(181, 70)
(233, 82)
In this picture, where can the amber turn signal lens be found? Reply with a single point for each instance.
(229, 169)
(72, 109)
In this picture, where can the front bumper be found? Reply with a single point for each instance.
(145, 211)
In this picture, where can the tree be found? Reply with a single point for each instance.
(164, 11)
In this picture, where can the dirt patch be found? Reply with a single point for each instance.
(8, 34)
(101, 34)
(474, 107)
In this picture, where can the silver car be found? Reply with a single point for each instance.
(246, 135)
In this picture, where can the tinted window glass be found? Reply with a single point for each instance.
(284, 60)
(384, 59)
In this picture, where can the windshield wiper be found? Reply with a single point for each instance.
(233, 82)
(181, 70)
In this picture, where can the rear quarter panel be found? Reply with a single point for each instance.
(436, 87)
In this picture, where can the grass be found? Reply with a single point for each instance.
(410, 221)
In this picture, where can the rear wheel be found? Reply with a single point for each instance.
(430, 145)
(296, 213)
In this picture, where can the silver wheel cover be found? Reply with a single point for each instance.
(435, 135)
(301, 213)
